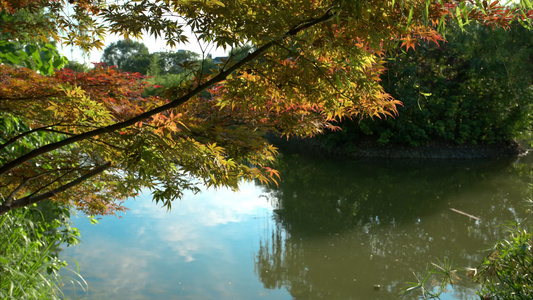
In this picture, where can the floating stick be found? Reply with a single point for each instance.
(464, 214)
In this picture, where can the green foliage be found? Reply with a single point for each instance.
(40, 57)
(29, 243)
(506, 271)
(24, 137)
(172, 62)
(137, 63)
(475, 88)
(238, 53)
(166, 80)
(435, 280)
(20, 48)
(31, 25)
(128, 56)
(77, 67)
(133, 56)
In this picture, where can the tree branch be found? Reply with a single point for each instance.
(57, 179)
(328, 15)
(44, 128)
(19, 187)
(6, 207)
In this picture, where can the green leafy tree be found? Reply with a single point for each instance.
(128, 56)
(64, 21)
(138, 63)
(172, 62)
(77, 67)
(22, 49)
(41, 57)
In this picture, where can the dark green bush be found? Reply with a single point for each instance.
(476, 88)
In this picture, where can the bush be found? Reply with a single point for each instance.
(507, 272)
(475, 88)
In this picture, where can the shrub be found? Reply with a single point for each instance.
(507, 272)
(475, 88)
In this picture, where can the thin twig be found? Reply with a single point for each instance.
(4, 208)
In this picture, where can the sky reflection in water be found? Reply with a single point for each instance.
(202, 249)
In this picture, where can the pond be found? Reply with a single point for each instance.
(355, 229)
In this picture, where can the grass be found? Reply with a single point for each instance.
(434, 282)
(505, 273)
(29, 247)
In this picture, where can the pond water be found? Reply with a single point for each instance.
(355, 229)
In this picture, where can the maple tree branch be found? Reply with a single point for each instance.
(25, 180)
(20, 186)
(100, 143)
(328, 15)
(6, 207)
(315, 66)
(15, 138)
(43, 128)
(38, 98)
(69, 171)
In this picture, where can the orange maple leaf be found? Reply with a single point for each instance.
(409, 42)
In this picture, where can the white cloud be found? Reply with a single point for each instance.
(195, 217)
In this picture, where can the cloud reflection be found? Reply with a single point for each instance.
(210, 207)
(149, 250)
(188, 224)
(103, 260)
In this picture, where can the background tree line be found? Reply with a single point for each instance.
(133, 56)
(162, 68)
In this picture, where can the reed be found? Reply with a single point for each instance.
(507, 272)
(30, 240)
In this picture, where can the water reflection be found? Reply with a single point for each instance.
(345, 227)
(202, 249)
(332, 230)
